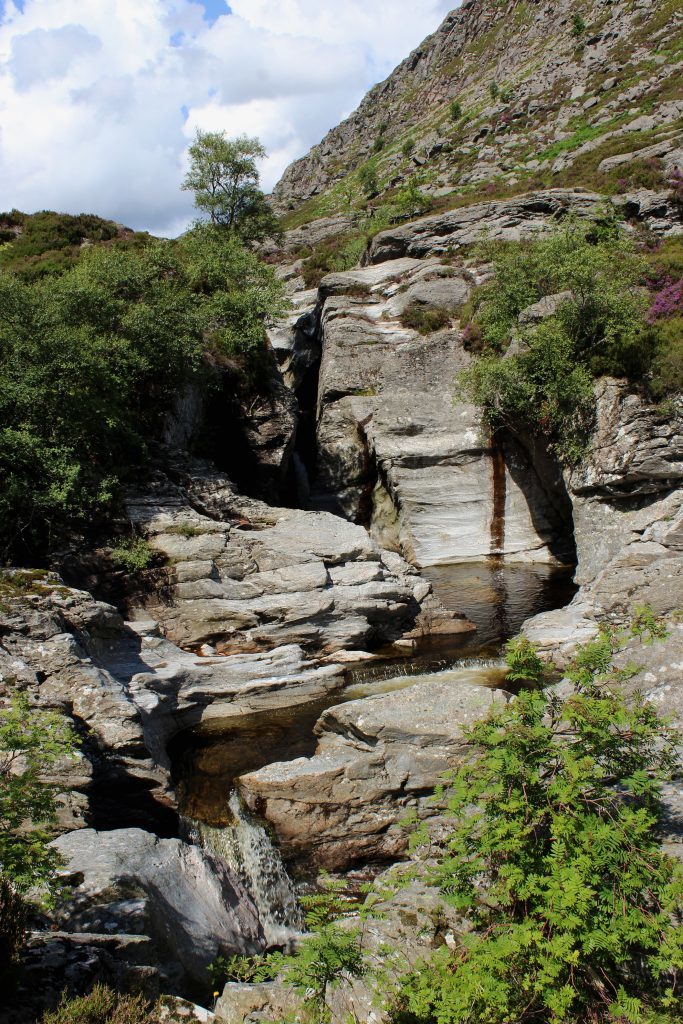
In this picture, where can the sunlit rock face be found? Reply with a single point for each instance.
(376, 759)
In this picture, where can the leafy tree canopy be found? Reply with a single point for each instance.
(90, 361)
(225, 180)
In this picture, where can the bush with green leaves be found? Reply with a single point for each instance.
(369, 180)
(32, 742)
(523, 663)
(578, 26)
(330, 955)
(133, 554)
(411, 201)
(571, 910)
(599, 328)
(90, 362)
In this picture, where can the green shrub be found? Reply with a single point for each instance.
(244, 969)
(666, 339)
(330, 955)
(103, 1006)
(379, 144)
(90, 363)
(133, 555)
(523, 662)
(578, 26)
(547, 386)
(408, 147)
(455, 110)
(411, 201)
(571, 910)
(49, 243)
(369, 180)
(494, 90)
(31, 742)
(426, 319)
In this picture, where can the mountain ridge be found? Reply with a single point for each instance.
(538, 87)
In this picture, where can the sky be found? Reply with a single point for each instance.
(99, 99)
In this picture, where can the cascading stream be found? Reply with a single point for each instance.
(246, 847)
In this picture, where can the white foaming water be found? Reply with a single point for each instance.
(246, 847)
(476, 671)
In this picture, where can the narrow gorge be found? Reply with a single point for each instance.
(338, 559)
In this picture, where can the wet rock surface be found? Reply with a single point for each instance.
(376, 759)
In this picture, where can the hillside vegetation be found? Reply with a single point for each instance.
(506, 97)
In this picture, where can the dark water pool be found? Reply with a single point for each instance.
(498, 596)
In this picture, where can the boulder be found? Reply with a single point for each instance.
(376, 759)
(129, 882)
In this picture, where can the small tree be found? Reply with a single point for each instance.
(574, 911)
(225, 180)
(369, 180)
(494, 90)
(330, 955)
(31, 742)
(455, 110)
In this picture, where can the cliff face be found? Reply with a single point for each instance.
(545, 90)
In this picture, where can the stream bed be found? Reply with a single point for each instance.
(497, 598)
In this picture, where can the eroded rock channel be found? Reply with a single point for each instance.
(295, 674)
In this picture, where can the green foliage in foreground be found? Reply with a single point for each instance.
(600, 328)
(90, 362)
(103, 1006)
(330, 955)
(31, 743)
(573, 910)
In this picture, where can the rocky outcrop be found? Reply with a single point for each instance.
(248, 577)
(376, 759)
(393, 449)
(627, 500)
(534, 99)
(181, 906)
(47, 641)
(509, 220)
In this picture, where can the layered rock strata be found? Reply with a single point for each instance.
(376, 760)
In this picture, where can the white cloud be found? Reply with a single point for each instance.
(99, 98)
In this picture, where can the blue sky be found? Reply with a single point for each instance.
(99, 99)
(214, 9)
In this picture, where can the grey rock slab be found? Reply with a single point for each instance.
(376, 758)
(187, 902)
(501, 220)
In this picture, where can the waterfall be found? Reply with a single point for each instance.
(246, 847)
